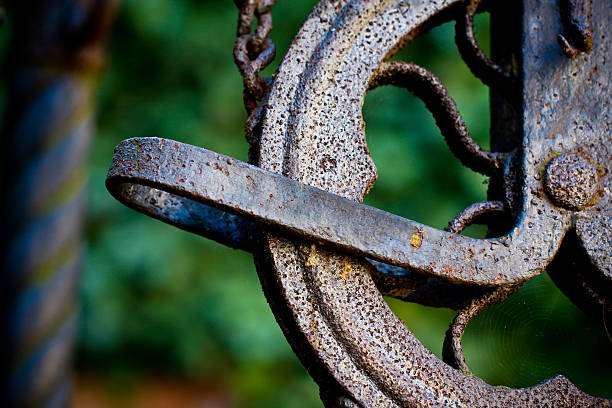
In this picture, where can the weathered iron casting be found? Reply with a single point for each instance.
(325, 260)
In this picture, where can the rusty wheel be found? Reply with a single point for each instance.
(549, 179)
(329, 306)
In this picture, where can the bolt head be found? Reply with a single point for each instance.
(571, 181)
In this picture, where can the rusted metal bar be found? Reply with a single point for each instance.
(56, 53)
(308, 212)
(242, 232)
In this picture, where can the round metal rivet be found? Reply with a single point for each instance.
(571, 181)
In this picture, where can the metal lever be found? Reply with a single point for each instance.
(172, 181)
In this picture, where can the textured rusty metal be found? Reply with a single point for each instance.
(452, 351)
(254, 51)
(572, 115)
(315, 168)
(475, 214)
(304, 211)
(330, 297)
(489, 72)
(52, 66)
(437, 99)
(571, 181)
(576, 16)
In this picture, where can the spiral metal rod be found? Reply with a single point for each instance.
(56, 55)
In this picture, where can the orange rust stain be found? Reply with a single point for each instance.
(312, 256)
(468, 254)
(416, 240)
(447, 270)
(346, 269)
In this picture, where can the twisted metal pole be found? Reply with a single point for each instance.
(57, 50)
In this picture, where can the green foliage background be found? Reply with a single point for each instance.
(157, 299)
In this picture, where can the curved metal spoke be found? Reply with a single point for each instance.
(452, 352)
(482, 66)
(474, 214)
(427, 87)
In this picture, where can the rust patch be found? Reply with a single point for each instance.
(416, 240)
(346, 268)
(312, 256)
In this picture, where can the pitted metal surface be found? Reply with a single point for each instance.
(314, 114)
(571, 181)
(576, 16)
(316, 168)
(572, 116)
(311, 213)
